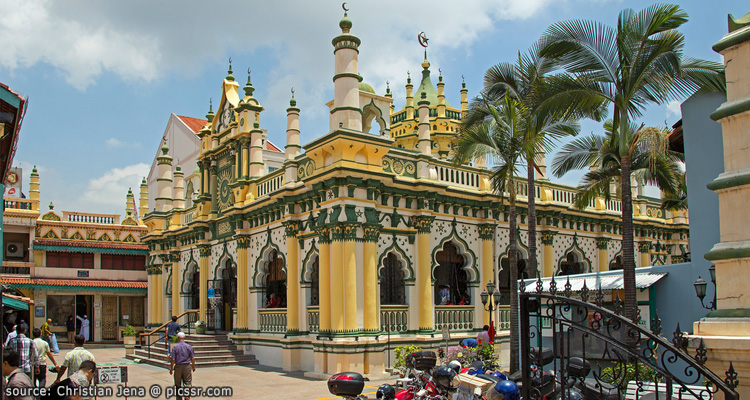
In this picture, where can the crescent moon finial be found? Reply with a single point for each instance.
(292, 91)
(248, 71)
(230, 60)
(343, 5)
(422, 39)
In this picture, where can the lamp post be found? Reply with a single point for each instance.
(490, 304)
(700, 288)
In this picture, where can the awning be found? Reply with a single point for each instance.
(76, 246)
(14, 303)
(77, 284)
(594, 282)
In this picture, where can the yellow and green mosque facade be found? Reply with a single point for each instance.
(336, 257)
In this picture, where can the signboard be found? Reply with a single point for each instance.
(111, 375)
(446, 333)
(39, 311)
(13, 183)
(645, 311)
(210, 293)
(83, 274)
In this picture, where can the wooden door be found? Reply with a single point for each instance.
(109, 318)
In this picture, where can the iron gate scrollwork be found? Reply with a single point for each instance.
(624, 358)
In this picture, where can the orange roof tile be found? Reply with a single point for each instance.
(272, 147)
(98, 245)
(195, 124)
(76, 282)
(19, 298)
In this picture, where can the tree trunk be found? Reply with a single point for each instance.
(513, 261)
(628, 253)
(532, 264)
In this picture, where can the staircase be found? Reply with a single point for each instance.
(210, 351)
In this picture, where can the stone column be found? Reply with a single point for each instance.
(256, 151)
(164, 180)
(204, 252)
(214, 189)
(424, 143)
(548, 268)
(346, 112)
(487, 236)
(337, 278)
(151, 279)
(324, 279)
(174, 257)
(601, 245)
(245, 144)
(243, 243)
(371, 314)
(424, 274)
(292, 278)
(350, 277)
(643, 249)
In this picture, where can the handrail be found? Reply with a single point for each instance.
(141, 335)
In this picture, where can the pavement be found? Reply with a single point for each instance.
(243, 382)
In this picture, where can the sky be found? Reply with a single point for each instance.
(103, 77)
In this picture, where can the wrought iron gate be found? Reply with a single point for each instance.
(625, 360)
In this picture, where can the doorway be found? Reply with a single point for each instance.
(85, 308)
(229, 289)
(109, 318)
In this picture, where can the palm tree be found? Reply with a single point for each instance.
(500, 137)
(676, 200)
(631, 65)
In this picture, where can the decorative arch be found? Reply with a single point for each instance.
(168, 288)
(265, 256)
(222, 261)
(614, 260)
(575, 249)
(463, 249)
(189, 194)
(77, 236)
(402, 257)
(187, 275)
(307, 261)
(372, 112)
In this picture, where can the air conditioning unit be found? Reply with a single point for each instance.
(14, 249)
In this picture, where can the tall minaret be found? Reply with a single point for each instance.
(34, 189)
(164, 180)
(143, 199)
(424, 144)
(441, 95)
(346, 112)
(179, 188)
(292, 148)
(129, 204)
(464, 96)
(409, 98)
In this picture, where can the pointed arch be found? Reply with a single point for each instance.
(307, 261)
(261, 264)
(463, 249)
(372, 112)
(615, 261)
(578, 253)
(221, 265)
(401, 255)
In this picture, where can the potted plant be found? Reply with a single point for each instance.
(128, 336)
(200, 327)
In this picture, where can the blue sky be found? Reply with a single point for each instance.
(103, 77)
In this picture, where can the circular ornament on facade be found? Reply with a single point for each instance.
(309, 169)
(242, 121)
(410, 168)
(398, 167)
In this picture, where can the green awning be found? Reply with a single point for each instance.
(15, 303)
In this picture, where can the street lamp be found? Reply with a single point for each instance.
(700, 288)
(490, 304)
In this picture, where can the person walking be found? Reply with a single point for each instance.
(70, 324)
(26, 351)
(42, 352)
(74, 359)
(84, 326)
(16, 376)
(81, 378)
(172, 329)
(182, 363)
(46, 333)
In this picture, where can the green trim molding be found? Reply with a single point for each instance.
(728, 253)
(732, 108)
(731, 181)
(734, 38)
(731, 313)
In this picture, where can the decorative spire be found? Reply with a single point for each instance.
(387, 88)
(165, 149)
(230, 77)
(408, 78)
(249, 89)
(51, 206)
(345, 24)
(210, 115)
(440, 76)
(292, 101)
(425, 63)
(463, 82)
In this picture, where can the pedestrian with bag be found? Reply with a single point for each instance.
(182, 363)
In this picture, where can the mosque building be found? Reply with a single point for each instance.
(325, 256)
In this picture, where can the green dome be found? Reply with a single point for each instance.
(345, 24)
(366, 88)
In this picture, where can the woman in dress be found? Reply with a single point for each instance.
(84, 326)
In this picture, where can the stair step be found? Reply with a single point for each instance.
(205, 359)
(196, 349)
(198, 364)
(197, 355)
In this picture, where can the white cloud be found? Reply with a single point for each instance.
(115, 143)
(143, 40)
(673, 108)
(109, 189)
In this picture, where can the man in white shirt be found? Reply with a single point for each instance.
(43, 352)
(11, 335)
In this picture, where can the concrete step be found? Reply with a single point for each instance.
(201, 359)
(196, 349)
(198, 364)
(236, 353)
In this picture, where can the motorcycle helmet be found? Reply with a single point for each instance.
(386, 392)
(443, 377)
(506, 390)
(477, 367)
(572, 394)
(455, 366)
(500, 375)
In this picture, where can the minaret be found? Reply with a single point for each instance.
(256, 150)
(464, 95)
(179, 188)
(164, 180)
(346, 112)
(129, 204)
(143, 199)
(424, 144)
(409, 98)
(292, 148)
(34, 189)
(441, 95)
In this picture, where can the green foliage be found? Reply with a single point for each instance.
(401, 353)
(466, 355)
(486, 352)
(129, 330)
(622, 373)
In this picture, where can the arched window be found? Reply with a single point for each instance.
(229, 283)
(275, 280)
(189, 195)
(392, 289)
(570, 265)
(194, 299)
(503, 276)
(450, 277)
(315, 282)
(616, 263)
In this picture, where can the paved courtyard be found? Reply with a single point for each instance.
(254, 382)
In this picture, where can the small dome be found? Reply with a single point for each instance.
(345, 24)
(366, 87)
(165, 149)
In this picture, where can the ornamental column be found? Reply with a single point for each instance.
(324, 280)
(370, 234)
(174, 257)
(486, 235)
(424, 143)
(601, 245)
(245, 145)
(164, 181)
(204, 251)
(350, 277)
(337, 278)
(151, 294)
(548, 239)
(214, 190)
(424, 274)
(143, 199)
(643, 248)
(243, 243)
(292, 281)
(346, 112)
